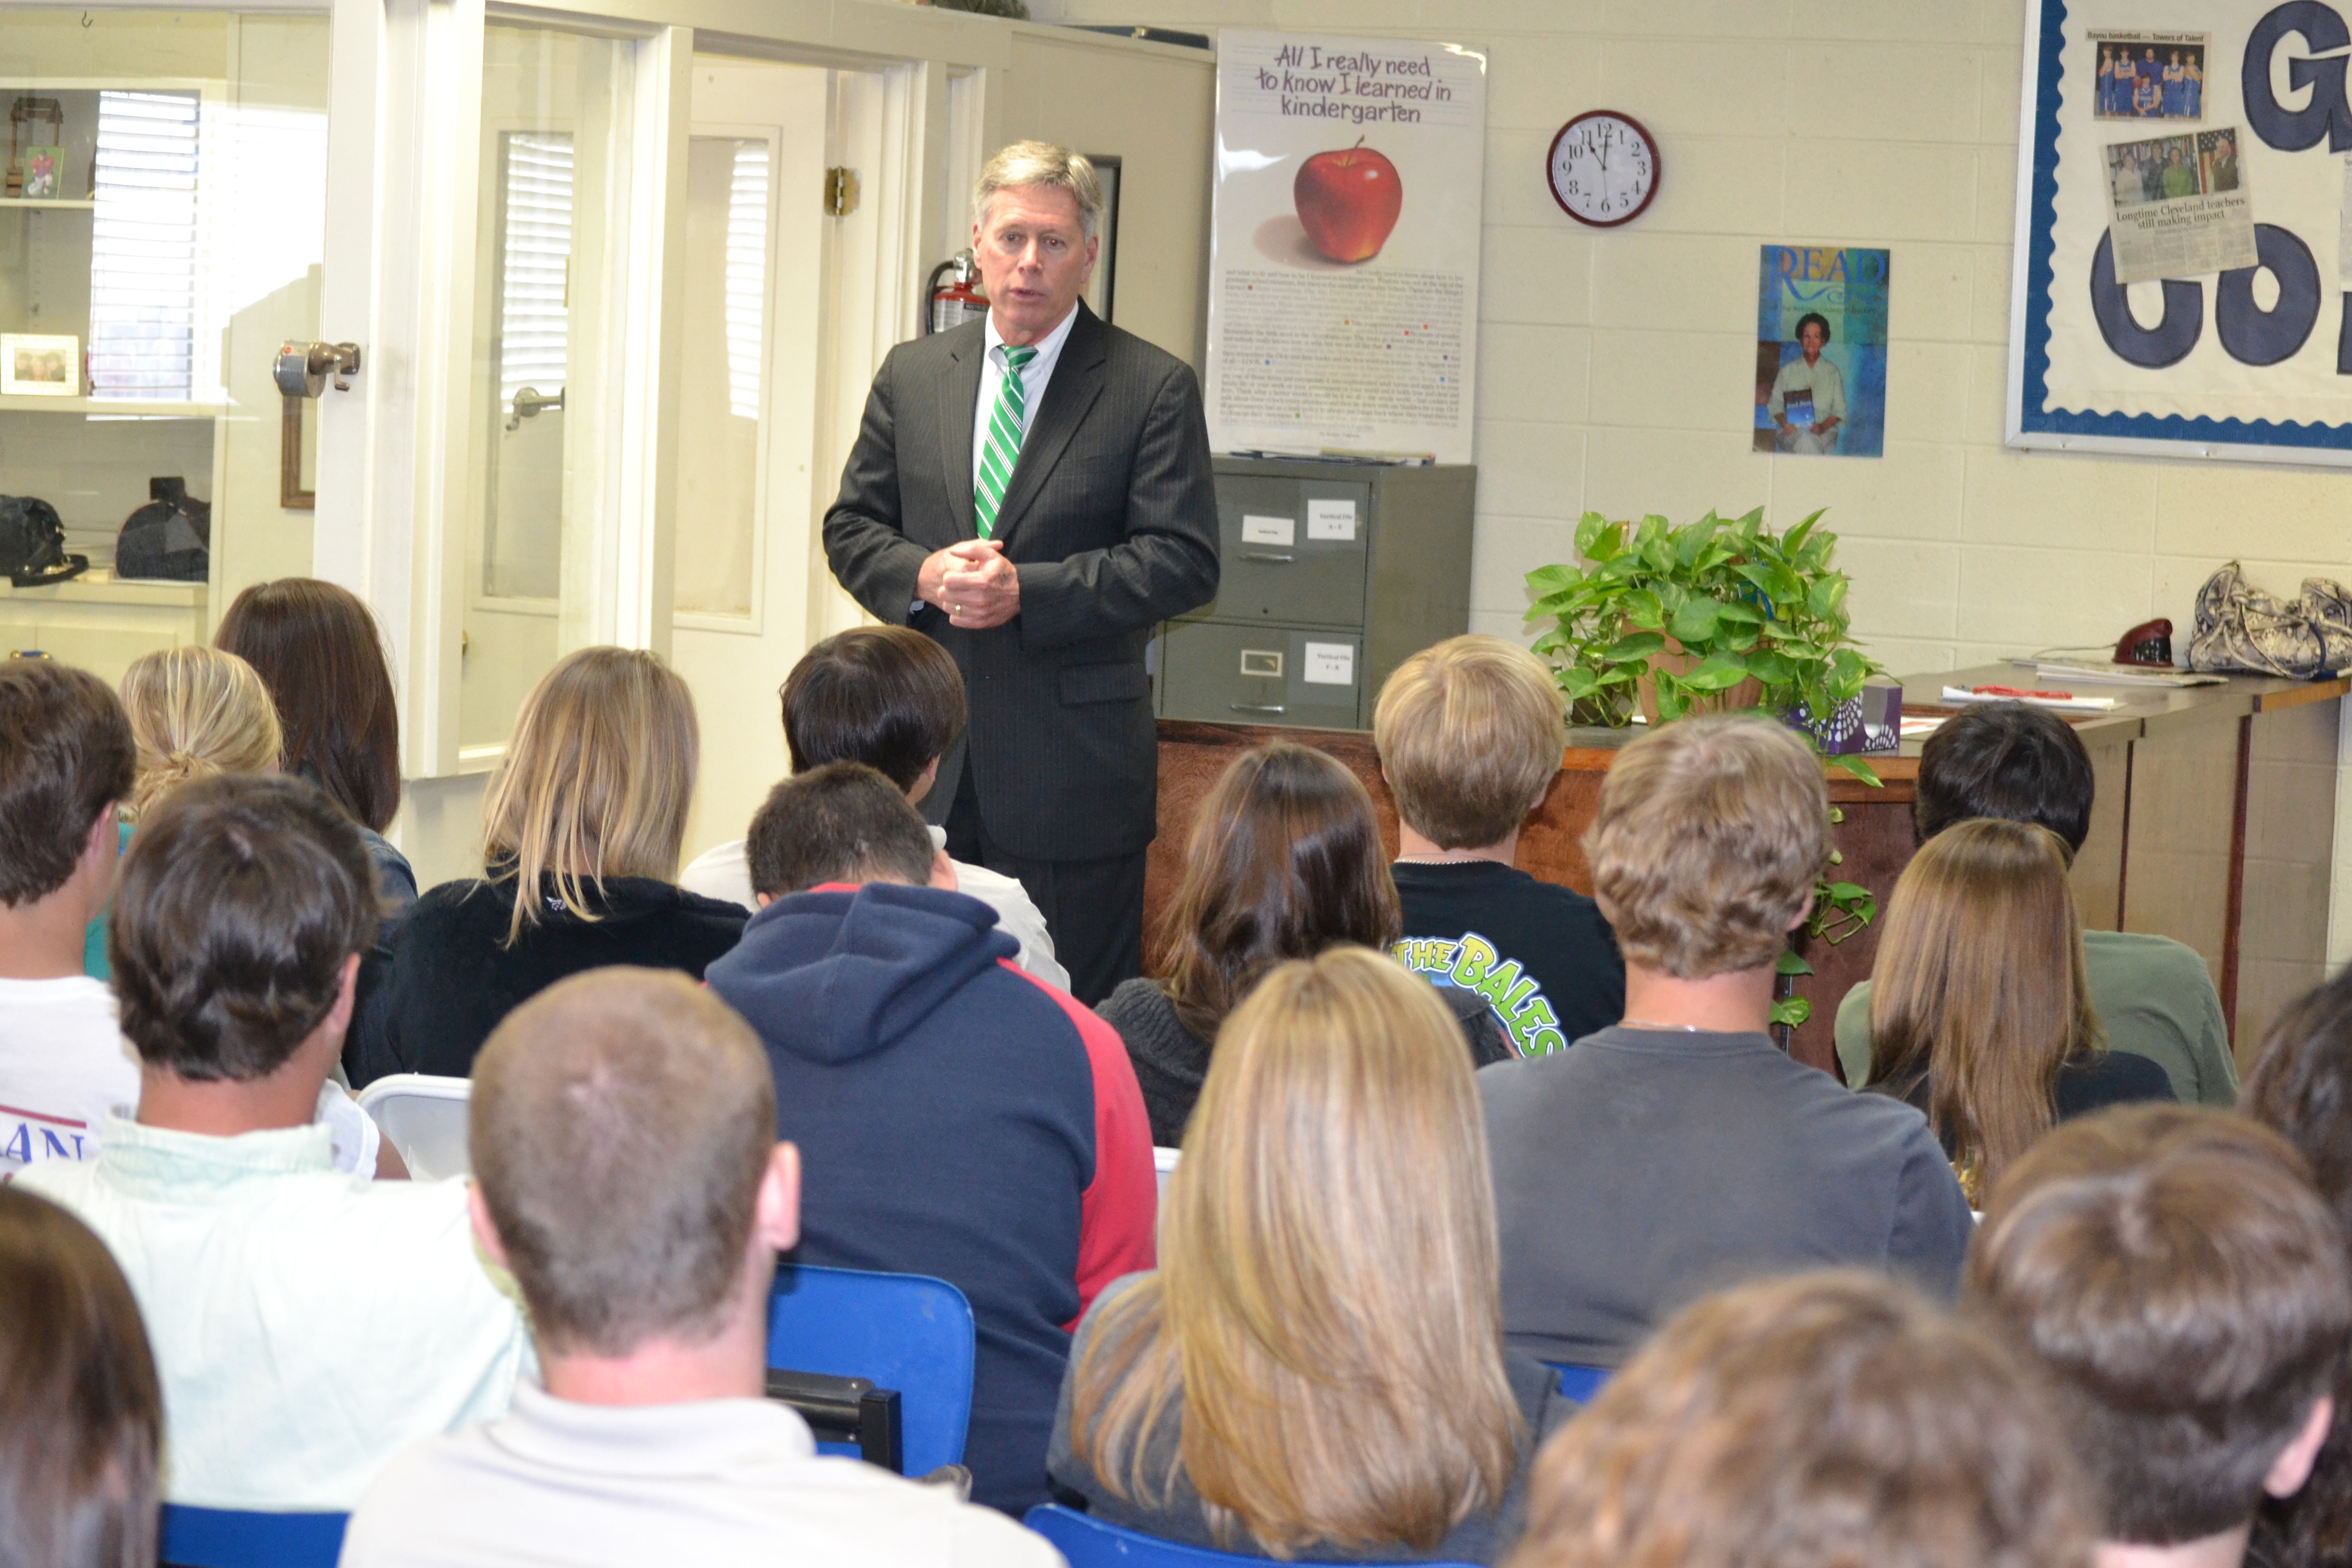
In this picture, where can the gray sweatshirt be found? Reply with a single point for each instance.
(1641, 1168)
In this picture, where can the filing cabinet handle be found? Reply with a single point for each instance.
(1255, 706)
(1267, 555)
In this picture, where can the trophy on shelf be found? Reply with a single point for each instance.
(36, 148)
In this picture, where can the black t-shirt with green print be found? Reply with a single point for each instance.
(1545, 959)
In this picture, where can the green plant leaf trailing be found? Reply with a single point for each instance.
(1692, 615)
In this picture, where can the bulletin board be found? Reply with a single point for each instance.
(2184, 286)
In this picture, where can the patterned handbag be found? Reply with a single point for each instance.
(2244, 628)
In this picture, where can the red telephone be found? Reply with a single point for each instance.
(2148, 644)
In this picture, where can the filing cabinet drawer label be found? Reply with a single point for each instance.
(1261, 661)
(1332, 520)
(1258, 530)
(1329, 664)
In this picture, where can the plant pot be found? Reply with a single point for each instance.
(1737, 698)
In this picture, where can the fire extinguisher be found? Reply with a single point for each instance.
(951, 295)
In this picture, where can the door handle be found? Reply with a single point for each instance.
(530, 404)
(1267, 555)
(1255, 706)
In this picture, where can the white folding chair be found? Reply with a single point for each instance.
(424, 1117)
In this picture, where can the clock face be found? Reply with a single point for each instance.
(1603, 168)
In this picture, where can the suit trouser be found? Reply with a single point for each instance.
(1093, 908)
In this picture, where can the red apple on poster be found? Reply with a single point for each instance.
(1347, 201)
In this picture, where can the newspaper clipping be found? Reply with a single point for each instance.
(2178, 206)
(2151, 75)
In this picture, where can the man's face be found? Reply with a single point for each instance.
(1034, 258)
(1811, 338)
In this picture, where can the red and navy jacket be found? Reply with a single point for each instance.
(956, 1117)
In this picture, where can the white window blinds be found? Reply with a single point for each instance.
(535, 335)
(746, 277)
(146, 260)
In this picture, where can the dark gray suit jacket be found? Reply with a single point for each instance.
(1112, 520)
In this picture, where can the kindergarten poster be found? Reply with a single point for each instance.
(1343, 276)
(1821, 352)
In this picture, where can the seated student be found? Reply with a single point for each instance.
(1285, 860)
(580, 841)
(1682, 1150)
(891, 697)
(1980, 1016)
(2301, 1089)
(2154, 994)
(628, 1174)
(81, 1418)
(1822, 1418)
(1317, 1370)
(1470, 735)
(959, 1117)
(2183, 1298)
(317, 649)
(66, 765)
(198, 713)
(307, 1323)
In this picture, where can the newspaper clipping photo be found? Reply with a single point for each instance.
(2178, 206)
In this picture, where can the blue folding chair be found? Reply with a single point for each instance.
(1090, 1543)
(1579, 1383)
(234, 1538)
(902, 1332)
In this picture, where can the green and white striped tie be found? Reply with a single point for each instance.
(1005, 423)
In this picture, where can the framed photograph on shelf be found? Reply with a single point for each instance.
(37, 366)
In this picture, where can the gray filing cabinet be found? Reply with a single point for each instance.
(1331, 575)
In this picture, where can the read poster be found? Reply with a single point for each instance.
(1343, 275)
(1821, 350)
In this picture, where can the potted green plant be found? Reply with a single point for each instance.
(1711, 616)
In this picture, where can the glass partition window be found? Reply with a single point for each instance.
(548, 266)
(161, 230)
(727, 226)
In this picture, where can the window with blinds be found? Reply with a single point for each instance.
(535, 335)
(746, 277)
(146, 254)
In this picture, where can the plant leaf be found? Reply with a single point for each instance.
(1739, 613)
(1795, 537)
(1632, 646)
(1791, 963)
(1717, 672)
(1694, 622)
(1859, 769)
(1694, 540)
(1644, 609)
(1792, 1011)
(1588, 535)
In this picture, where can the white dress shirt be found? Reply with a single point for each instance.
(307, 1324)
(714, 1482)
(1034, 377)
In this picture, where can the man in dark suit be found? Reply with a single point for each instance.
(1034, 490)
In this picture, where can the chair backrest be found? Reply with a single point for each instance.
(1163, 1164)
(1090, 1543)
(233, 1538)
(906, 1331)
(1579, 1383)
(424, 1117)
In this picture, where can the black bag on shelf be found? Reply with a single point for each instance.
(171, 537)
(33, 543)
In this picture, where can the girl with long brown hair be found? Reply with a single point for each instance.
(1317, 1369)
(582, 828)
(1979, 1012)
(1285, 862)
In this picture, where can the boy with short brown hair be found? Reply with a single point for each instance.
(2185, 1297)
(1470, 736)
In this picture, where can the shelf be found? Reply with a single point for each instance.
(22, 403)
(61, 203)
(103, 587)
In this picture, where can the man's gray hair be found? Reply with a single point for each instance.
(1041, 164)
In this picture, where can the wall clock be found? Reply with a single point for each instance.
(1603, 168)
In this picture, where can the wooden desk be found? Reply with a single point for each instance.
(2214, 824)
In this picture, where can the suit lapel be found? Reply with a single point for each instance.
(1077, 382)
(959, 405)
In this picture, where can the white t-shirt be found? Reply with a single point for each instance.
(725, 873)
(716, 1483)
(64, 1064)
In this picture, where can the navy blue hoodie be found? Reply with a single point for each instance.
(958, 1118)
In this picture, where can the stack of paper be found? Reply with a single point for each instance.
(2064, 702)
